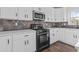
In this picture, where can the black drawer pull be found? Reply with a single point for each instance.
(8, 41)
(25, 42)
(26, 35)
(16, 14)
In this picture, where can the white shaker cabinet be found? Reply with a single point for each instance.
(48, 14)
(66, 15)
(54, 35)
(67, 35)
(76, 32)
(16, 13)
(21, 13)
(31, 43)
(24, 42)
(29, 13)
(25, 13)
(70, 36)
(58, 15)
(9, 13)
(5, 44)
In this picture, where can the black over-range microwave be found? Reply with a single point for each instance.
(38, 16)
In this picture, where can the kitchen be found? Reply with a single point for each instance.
(39, 29)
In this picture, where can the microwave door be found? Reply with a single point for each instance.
(36, 16)
(42, 17)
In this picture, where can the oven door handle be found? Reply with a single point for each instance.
(42, 34)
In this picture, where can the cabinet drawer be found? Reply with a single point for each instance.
(23, 35)
(5, 37)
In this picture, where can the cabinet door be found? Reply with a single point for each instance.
(59, 14)
(29, 13)
(31, 43)
(53, 35)
(61, 34)
(19, 45)
(8, 13)
(52, 15)
(48, 14)
(5, 44)
(76, 38)
(69, 36)
(21, 13)
(66, 14)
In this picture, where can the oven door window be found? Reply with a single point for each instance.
(43, 38)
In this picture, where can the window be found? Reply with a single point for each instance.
(75, 14)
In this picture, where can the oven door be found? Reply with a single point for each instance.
(43, 38)
(42, 41)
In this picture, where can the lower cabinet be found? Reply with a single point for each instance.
(31, 44)
(5, 43)
(54, 35)
(24, 43)
(70, 36)
(66, 35)
(18, 41)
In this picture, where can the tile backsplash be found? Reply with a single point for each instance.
(14, 24)
(20, 24)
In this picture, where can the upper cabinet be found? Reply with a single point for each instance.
(48, 14)
(5, 43)
(8, 13)
(58, 14)
(21, 13)
(52, 14)
(25, 13)
(16, 13)
(29, 12)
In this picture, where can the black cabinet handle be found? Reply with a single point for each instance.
(25, 15)
(25, 42)
(8, 41)
(26, 35)
(74, 36)
(16, 14)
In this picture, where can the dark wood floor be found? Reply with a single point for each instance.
(60, 47)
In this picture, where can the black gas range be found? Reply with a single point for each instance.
(42, 37)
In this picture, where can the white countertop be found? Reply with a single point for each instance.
(2, 33)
